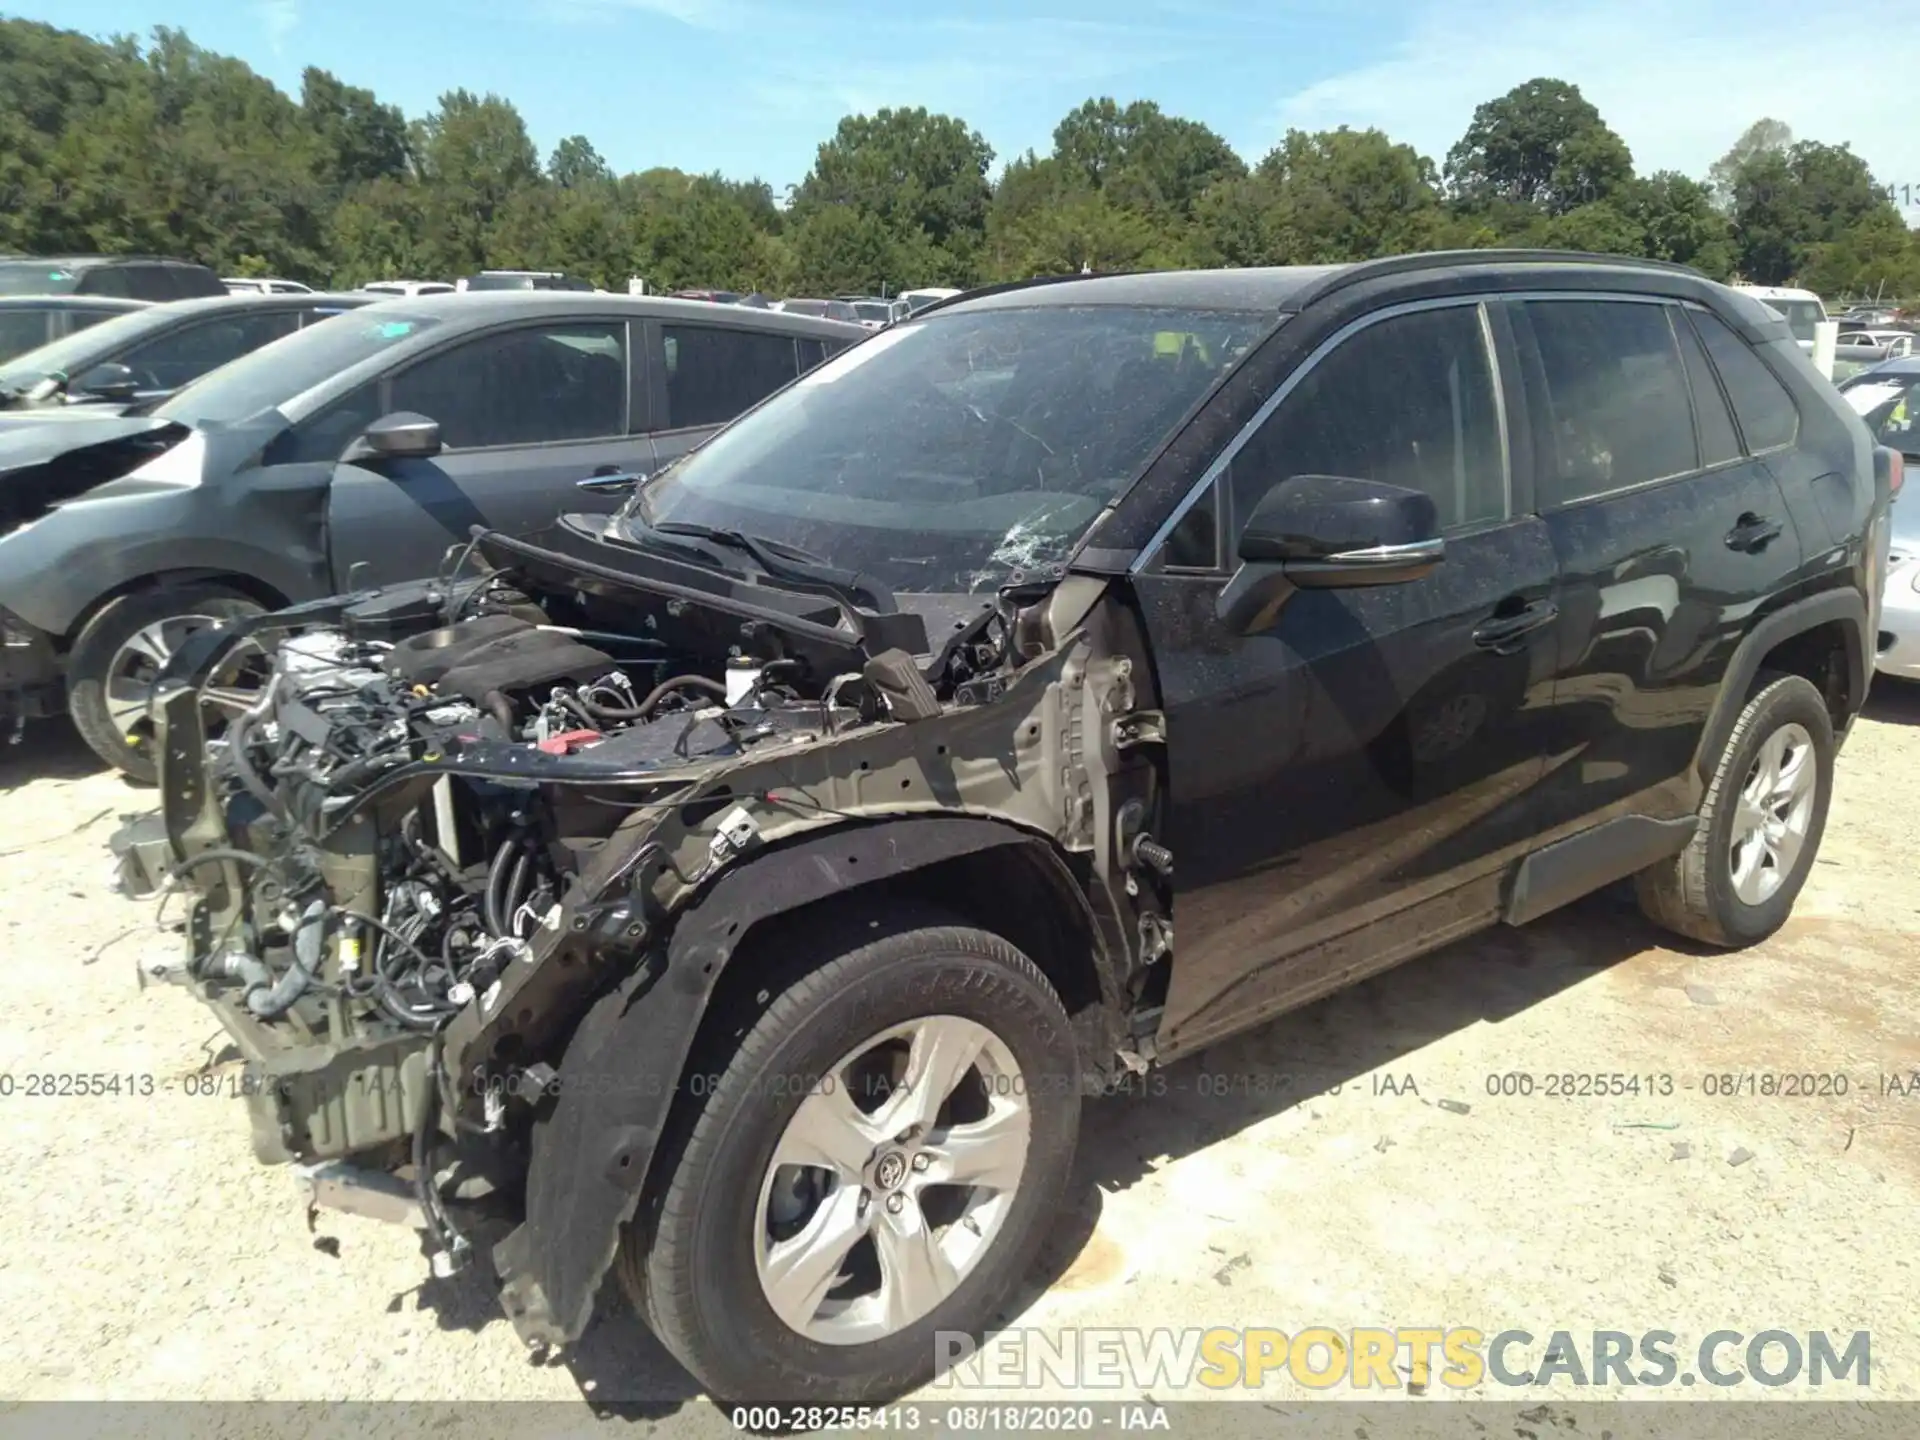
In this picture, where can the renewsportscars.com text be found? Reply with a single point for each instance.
(1413, 1358)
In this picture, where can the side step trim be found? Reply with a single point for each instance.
(1583, 863)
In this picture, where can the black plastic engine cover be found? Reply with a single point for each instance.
(493, 652)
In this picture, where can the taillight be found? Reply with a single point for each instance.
(1896, 472)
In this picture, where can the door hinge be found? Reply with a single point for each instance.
(1142, 727)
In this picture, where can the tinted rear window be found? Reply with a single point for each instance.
(1617, 397)
(1763, 406)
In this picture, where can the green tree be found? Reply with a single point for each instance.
(379, 232)
(1141, 157)
(688, 231)
(1877, 255)
(575, 164)
(916, 173)
(359, 139)
(1763, 137)
(1086, 230)
(1787, 202)
(1542, 144)
(474, 154)
(841, 248)
(1679, 220)
(1340, 195)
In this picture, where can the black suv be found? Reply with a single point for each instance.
(752, 882)
(124, 277)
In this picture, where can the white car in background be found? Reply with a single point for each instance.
(918, 300)
(407, 289)
(264, 285)
(1803, 310)
(1897, 344)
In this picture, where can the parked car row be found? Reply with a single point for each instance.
(750, 883)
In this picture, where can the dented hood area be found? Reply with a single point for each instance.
(48, 461)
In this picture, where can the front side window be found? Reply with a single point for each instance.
(957, 452)
(714, 374)
(1617, 411)
(269, 379)
(1408, 401)
(184, 355)
(529, 386)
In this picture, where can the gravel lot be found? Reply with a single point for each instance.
(144, 1254)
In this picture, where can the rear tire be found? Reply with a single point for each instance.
(1760, 825)
(733, 1262)
(122, 648)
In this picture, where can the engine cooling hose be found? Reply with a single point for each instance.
(308, 938)
(659, 693)
(496, 887)
(501, 708)
(238, 734)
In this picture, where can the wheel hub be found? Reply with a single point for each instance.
(889, 1170)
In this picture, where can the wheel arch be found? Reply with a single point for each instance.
(594, 1144)
(1822, 638)
(266, 596)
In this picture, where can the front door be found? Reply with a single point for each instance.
(1348, 782)
(525, 414)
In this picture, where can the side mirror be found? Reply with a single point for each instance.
(1332, 531)
(1325, 532)
(402, 435)
(108, 380)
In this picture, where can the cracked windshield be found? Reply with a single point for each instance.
(962, 452)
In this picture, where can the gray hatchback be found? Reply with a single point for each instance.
(352, 453)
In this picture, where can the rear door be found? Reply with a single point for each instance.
(525, 412)
(704, 375)
(1348, 782)
(1668, 536)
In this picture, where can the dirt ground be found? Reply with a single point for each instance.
(145, 1255)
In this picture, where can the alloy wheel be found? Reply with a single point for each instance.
(1775, 810)
(137, 664)
(892, 1180)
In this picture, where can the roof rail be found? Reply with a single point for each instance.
(1008, 286)
(1435, 259)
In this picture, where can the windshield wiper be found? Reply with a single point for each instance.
(789, 564)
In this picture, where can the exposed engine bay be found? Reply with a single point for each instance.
(459, 813)
(414, 920)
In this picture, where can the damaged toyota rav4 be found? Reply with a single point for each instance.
(739, 893)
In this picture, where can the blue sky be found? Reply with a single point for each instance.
(750, 87)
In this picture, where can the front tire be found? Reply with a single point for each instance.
(1760, 825)
(877, 1160)
(120, 653)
